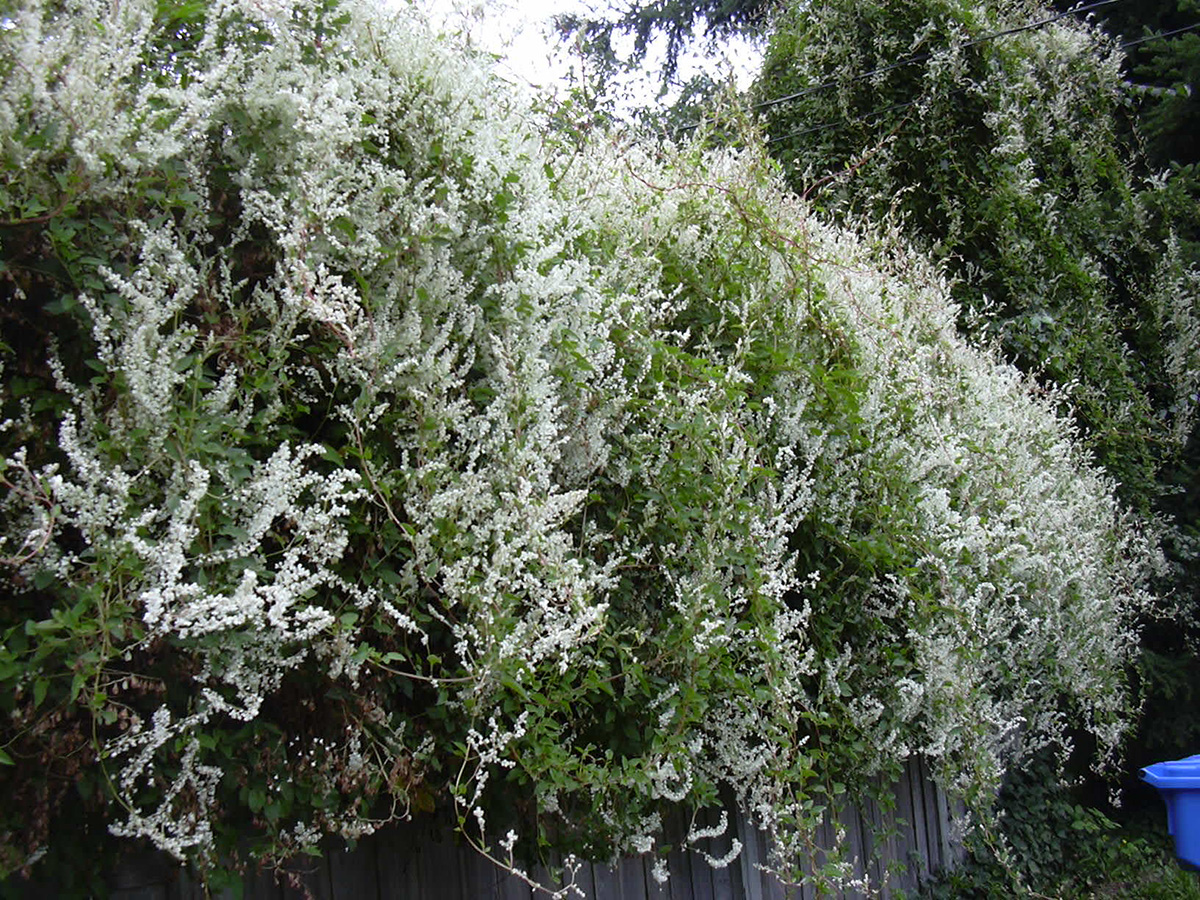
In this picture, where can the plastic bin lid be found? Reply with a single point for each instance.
(1177, 774)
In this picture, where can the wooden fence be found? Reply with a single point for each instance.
(895, 850)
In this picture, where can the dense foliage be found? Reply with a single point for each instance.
(1023, 149)
(1162, 65)
(1003, 154)
(368, 452)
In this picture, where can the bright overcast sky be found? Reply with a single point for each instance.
(520, 31)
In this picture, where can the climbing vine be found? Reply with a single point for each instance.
(369, 451)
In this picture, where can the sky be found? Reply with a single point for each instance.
(520, 31)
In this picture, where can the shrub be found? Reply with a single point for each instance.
(369, 450)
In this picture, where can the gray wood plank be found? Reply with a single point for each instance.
(184, 884)
(722, 883)
(188, 885)
(481, 877)
(184, 887)
(880, 837)
(905, 836)
(654, 890)
(719, 847)
(895, 865)
(353, 874)
(753, 848)
(259, 883)
(906, 843)
(513, 888)
(145, 892)
(949, 853)
(586, 878)
(699, 877)
(851, 847)
(933, 818)
(868, 827)
(427, 863)
(631, 879)
(958, 810)
(678, 868)
(814, 861)
(920, 820)
(773, 888)
(143, 876)
(464, 860)
(608, 886)
(932, 828)
(397, 866)
(733, 872)
(554, 875)
(866, 866)
(441, 872)
(608, 881)
(541, 874)
(179, 886)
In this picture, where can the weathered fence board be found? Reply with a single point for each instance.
(893, 849)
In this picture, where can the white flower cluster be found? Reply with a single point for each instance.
(418, 399)
(180, 822)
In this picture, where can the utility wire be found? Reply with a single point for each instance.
(865, 117)
(1165, 34)
(898, 106)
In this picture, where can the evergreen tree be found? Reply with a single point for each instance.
(1162, 56)
(679, 21)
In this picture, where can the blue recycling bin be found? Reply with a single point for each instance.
(1178, 782)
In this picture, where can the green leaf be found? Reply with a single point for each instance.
(346, 227)
(256, 799)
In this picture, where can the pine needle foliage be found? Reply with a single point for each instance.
(679, 22)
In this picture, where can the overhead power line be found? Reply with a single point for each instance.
(873, 114)
(1165, 34)
(865, 117)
